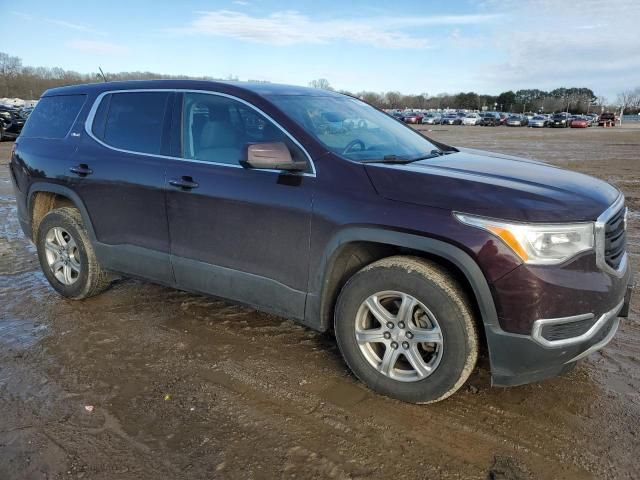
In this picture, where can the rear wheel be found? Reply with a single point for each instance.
(406, 329)
(67, 257)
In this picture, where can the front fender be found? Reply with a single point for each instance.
(318, 313)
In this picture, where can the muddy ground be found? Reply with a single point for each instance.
(185, 386)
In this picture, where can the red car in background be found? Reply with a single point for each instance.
(412, 117)
(579, 123)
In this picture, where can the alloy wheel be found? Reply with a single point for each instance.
(399, 336)
(63, 256)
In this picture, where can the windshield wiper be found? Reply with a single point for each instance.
(403, 161)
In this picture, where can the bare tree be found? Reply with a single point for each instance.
(628, 99)
(321, 83)
(9, 65)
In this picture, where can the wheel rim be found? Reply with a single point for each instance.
(399, 336)
(63, 256)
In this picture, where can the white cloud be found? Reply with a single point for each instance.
(291, 28)
(242, 3)
(58, 22)
(99, 48)
(72, 26)
(552, 44)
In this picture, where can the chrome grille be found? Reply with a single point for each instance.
(615, 238)
(611, 241)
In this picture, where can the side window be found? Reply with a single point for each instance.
(132, 121)
(218, 129)
(53, 117)
(100, 117)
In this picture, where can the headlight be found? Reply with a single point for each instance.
(538, 244)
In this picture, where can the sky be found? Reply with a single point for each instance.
(418, 46)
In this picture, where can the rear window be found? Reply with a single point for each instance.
(131, 121)
(53, 117)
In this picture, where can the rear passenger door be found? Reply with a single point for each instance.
(236, 232)
(119, 172)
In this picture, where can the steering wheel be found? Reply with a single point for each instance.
(352, 144)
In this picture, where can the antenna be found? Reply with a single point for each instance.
(102, 73)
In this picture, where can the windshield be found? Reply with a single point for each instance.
(353, 129)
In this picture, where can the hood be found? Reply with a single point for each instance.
(495, 185)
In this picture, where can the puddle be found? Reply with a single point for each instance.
(20, 334)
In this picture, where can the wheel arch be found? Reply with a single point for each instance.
(354, 247)
(38, 205)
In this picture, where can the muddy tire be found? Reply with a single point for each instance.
(67, 257)
(406, 329)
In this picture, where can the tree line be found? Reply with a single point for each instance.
(575, 100)
(19, 81)
(26, 82)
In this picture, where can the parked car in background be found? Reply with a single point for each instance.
(12, 123)
(592, 118)
(539, 121)
(517, 121)
(398, 115)
(432, 119)
(607, 119)
(471, 119)
(579, 122)
(529, 115)
(25, 112)
(451, 119)
(489, 119)
(412, 117)
(560, 120)
(446, 253)
(503, 117)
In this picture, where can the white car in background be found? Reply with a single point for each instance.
(471, 119)
(539, 121)
(432, 119)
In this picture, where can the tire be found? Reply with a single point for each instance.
(70, 263)
(438, 302)
(1, 133)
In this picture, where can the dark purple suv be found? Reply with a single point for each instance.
(318, 207)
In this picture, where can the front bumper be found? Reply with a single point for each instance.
(519, 359)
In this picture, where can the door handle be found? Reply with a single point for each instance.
(82, 170)
(184, 182)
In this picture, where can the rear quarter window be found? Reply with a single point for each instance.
(131, 121)
(53, 116)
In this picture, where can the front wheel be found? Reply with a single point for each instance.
(67, 257)
(406, 329)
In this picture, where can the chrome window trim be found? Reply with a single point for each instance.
(600, 226)
(91, 116)
(536, 332)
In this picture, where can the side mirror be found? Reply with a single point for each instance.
(272, 156)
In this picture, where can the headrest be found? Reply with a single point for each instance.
(217, 134)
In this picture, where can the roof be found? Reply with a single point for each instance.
(258, 88)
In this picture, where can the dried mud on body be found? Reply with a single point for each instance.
(186, 386)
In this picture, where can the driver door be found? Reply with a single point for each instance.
(235, 232)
